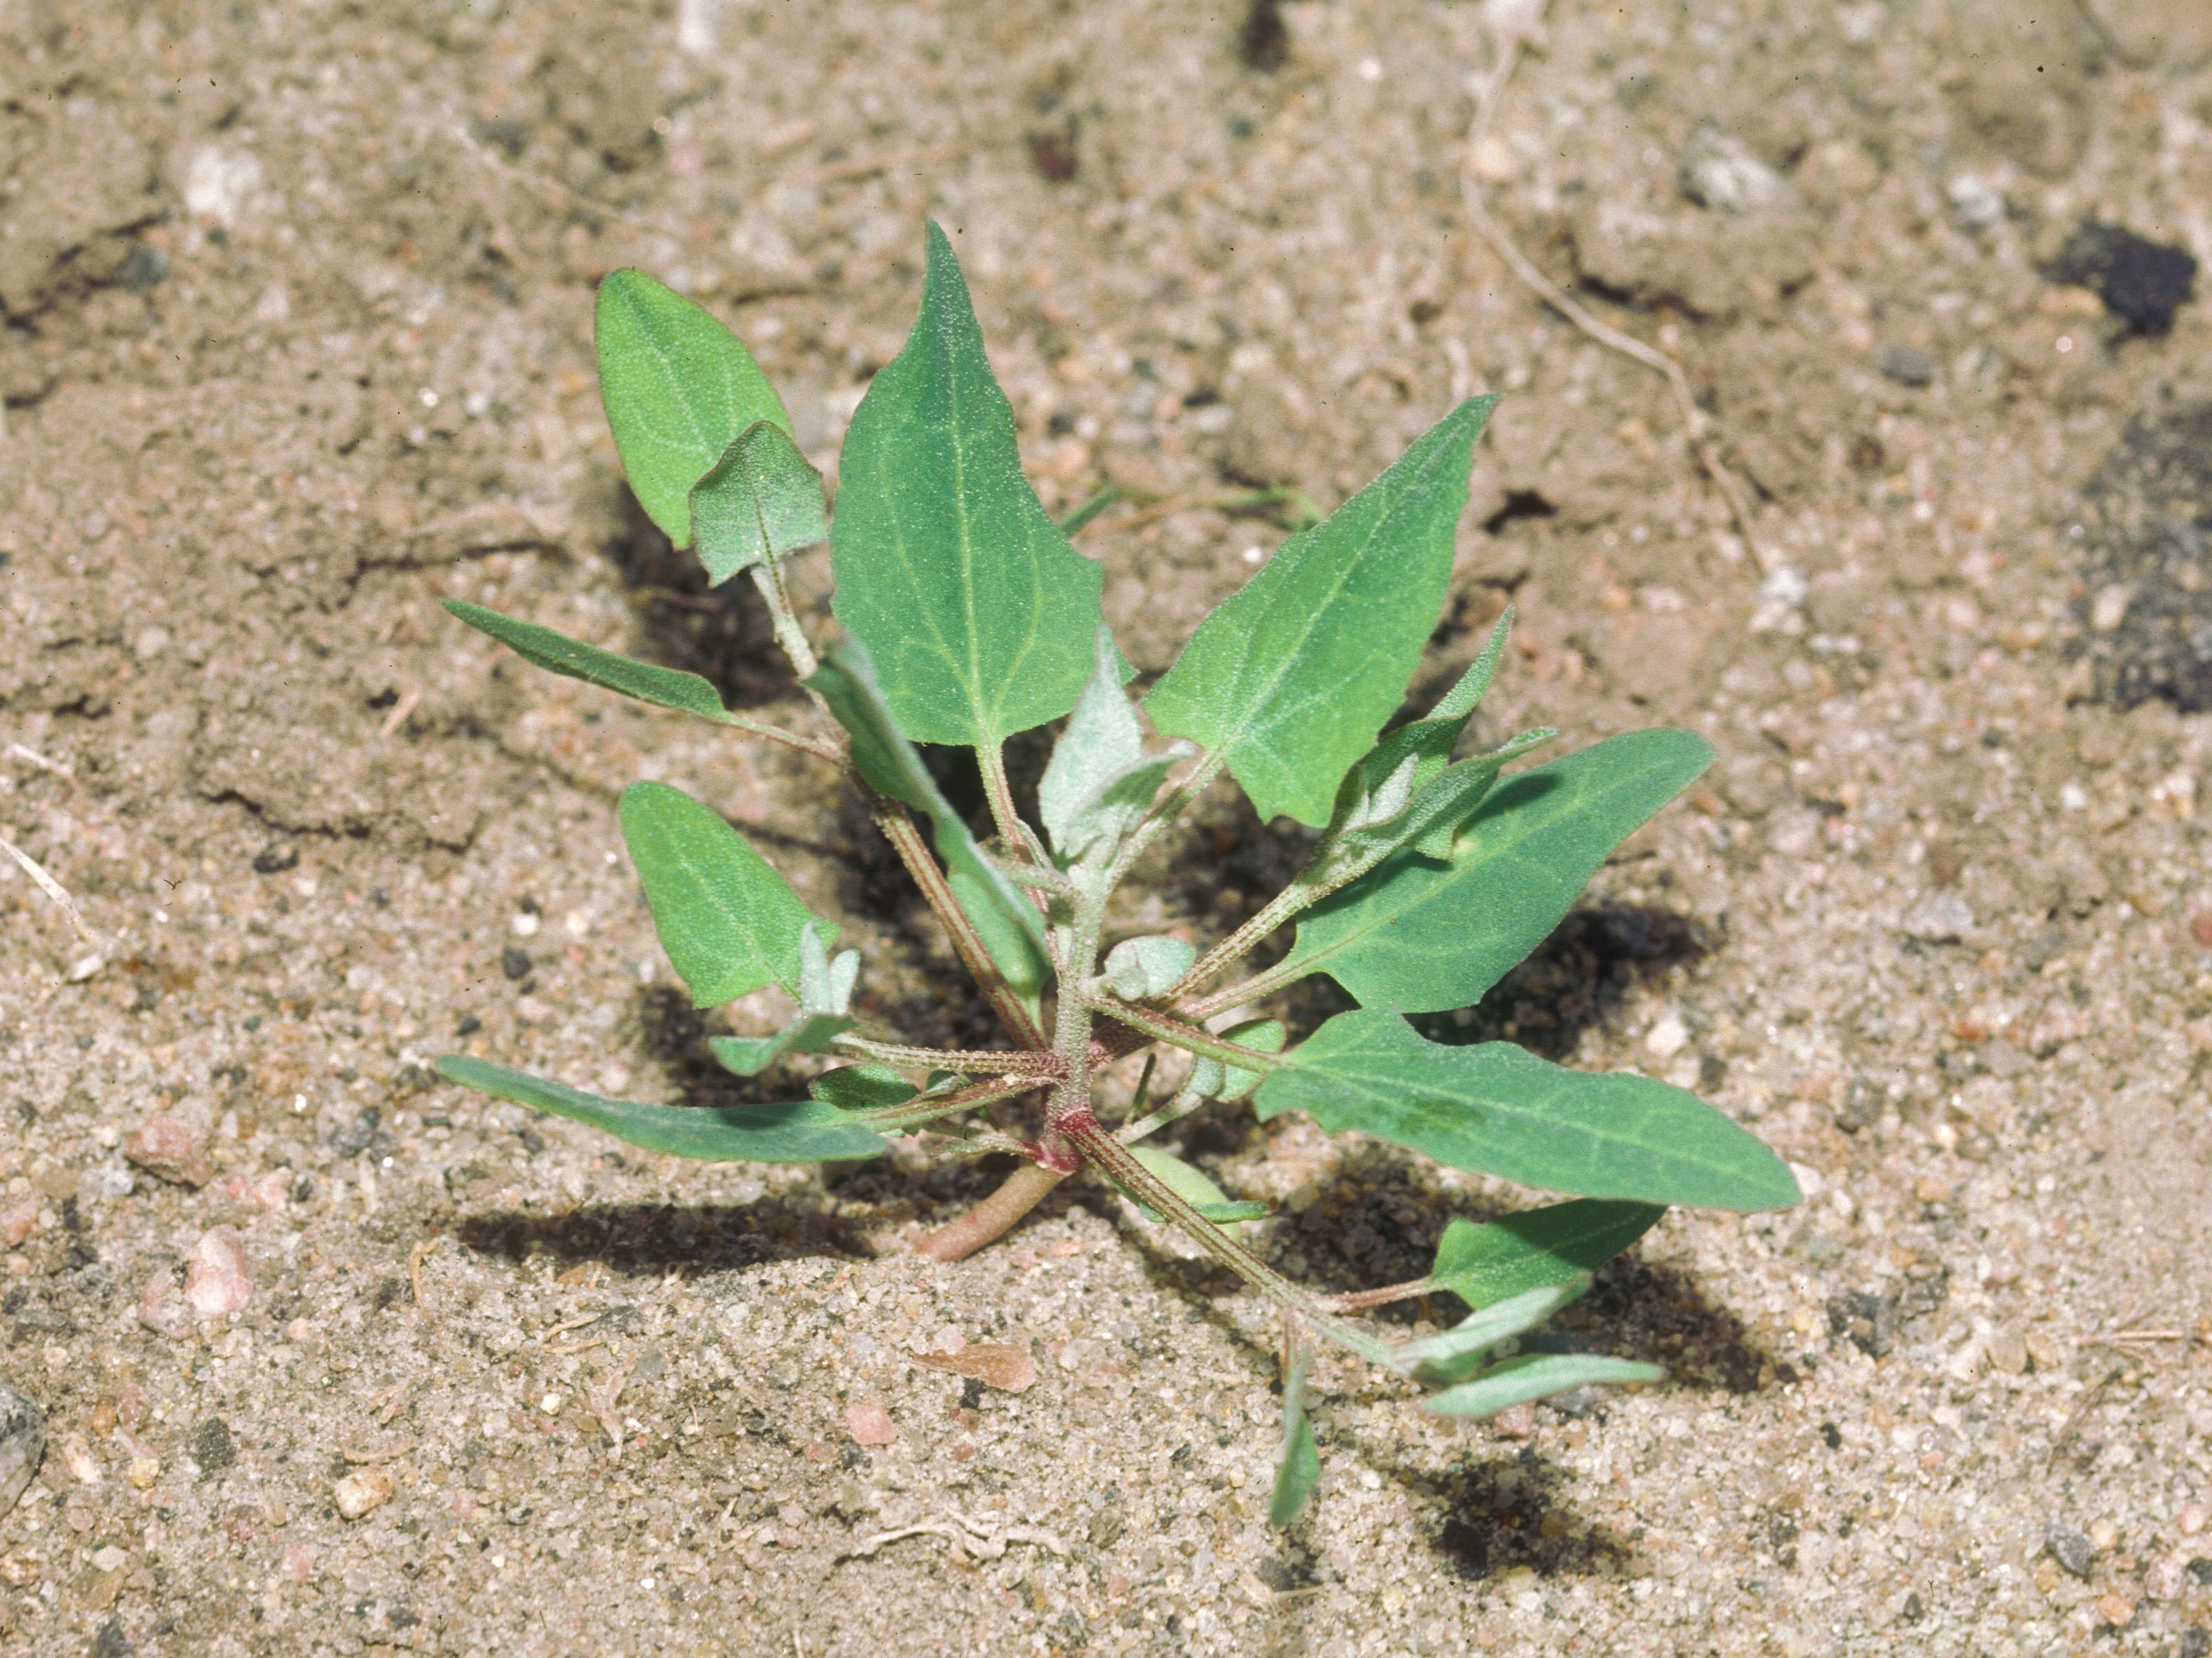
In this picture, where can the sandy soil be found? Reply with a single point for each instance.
(296, 304)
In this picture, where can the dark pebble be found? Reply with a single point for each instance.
(2140, 282)
(515, 963)
(1907, 365)
(2071, 1551)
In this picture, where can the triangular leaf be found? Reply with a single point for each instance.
(1537, 1249)
(1535, 1375)
(726, 919)
(806, 1131)
(1291, 677)
(666, 688)
(760, 501)
(977, 611)
(678, 387)
(1300, 1466)
(1415, 937)
(1495, 1108)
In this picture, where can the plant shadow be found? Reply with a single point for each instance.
(1578, 977)
(1503, 1513)
(649, 1240)
(721, 632)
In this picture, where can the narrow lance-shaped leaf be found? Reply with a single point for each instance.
(1535, 1375)
(806, 1130)
(1301, 1459)
(1456, 1354)
(1293, 676)
(1416, 937)
(1006, 922)
(748, 1056)
(726, 919)
(1497, 1109)
(977, 611)
(666, 688)
(1428, 822)
(1537, 1249)
(761, 500)
(678, 388)
(1193, 1186)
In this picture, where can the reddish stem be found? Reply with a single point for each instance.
(990, 1219)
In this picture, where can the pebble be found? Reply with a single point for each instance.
(22, 1444)
(869, 1423)
(172, 1149)
(215, 1282)
(161, 1306)
(1942, 920)
(18, 1223)
(2008, 1351)
(362, 1492)
(2071, 1549)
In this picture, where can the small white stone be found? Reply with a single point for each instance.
(1667, 1037)
(362, 1492)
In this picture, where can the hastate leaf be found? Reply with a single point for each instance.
(761, 500)
(806, 1130)
(726, 919)
(1293, 676)
(1537, 1249)
(1497, 1109)
(556, 653)
(978, 613)
(1416, 936)
(678, 388)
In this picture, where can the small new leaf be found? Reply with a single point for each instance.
(1301, 1459)
(1497, 1109)
(556, 653)
(1100, 782)
(748, 1056)
(1535, 1375)
(888, 764)
(678, 388)
(759, 502)
(1386, 778)
(1212, 1080)
(825, 985)
(806, 1131)
(861, 1088)
(1293, 676)
(977, 611)
(1139, 968)
(726, 919)
(1537, 1249)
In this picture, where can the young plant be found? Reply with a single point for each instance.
(968, 617)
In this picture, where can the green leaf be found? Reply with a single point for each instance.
(666, 688)
(825, 986)
(1211, 1080)
(1535, 1375)
(1497, 1109)
(1100, 782)
(678, 387)
(748, 1056)
(1291, 677)
(1536, 1249)
(887, 762)
(978, 613)
(1402, 762)
(1428, 821)
(726, 919)
(1301, 1462)
(1006, 938)
(1139, 968)
(1453, 1355)
(861, 1087)
(806, 1130)
(760, 501)
(1416, 937)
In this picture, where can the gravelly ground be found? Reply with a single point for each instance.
(297, 307)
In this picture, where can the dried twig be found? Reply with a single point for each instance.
(53, 889)
(862, 167)
(601, 1396)
(1507, 44)
(31, 757)
(967, 1536)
